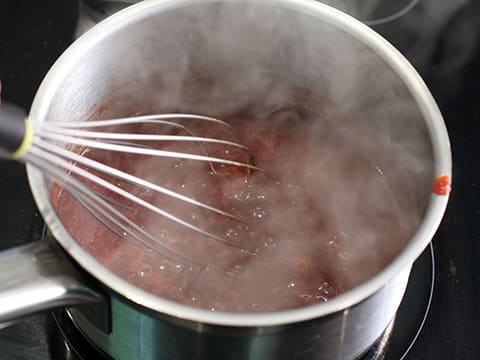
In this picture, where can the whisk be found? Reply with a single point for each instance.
(39, 144)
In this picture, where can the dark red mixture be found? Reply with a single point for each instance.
(319, 223)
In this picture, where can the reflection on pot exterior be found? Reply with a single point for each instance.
(343, 335)
(39, 276)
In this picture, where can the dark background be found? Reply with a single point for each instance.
(440, 38)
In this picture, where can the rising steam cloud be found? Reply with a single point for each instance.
(335, 127)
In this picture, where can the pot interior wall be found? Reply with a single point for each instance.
(221, 59)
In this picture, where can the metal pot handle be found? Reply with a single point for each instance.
(40, 276)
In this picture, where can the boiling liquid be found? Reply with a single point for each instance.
(320, 221)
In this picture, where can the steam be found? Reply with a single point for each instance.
(344, 144)
(448, 30)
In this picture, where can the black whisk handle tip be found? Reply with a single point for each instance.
(13, 129)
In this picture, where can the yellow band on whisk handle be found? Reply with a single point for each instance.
(26, 142)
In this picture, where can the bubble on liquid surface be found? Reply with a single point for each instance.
(333, 242)
(270, 242)
(215, 307)
(305, 296)
(178, 163)
(259, 213)
(231, 233)
(325, 291)
(146, 269)
(179, 267)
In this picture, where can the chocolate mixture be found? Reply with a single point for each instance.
(319, 222)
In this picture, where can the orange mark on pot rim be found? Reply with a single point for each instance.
(442, 185)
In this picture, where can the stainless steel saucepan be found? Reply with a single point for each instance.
(128, 61)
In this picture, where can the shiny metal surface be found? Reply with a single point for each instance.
(126, 49)
(97, 65)
(139, 334)
(27, 340)
(36, 277)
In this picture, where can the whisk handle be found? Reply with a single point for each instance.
(13, 131)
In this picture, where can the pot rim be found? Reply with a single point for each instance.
(426, 230)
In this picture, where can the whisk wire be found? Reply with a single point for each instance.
(151, 152)
(141, 119)
(124, 194)
(106, 214)
(50, 132)
(52, 148)
(113, 172)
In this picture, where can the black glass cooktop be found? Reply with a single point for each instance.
(440, 317)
